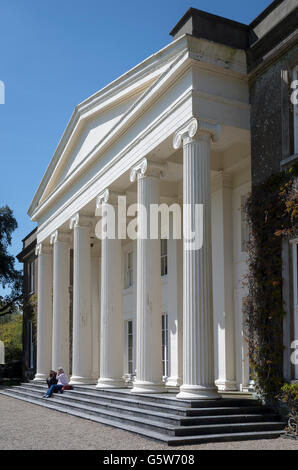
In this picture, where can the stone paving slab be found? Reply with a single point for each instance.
(27, 426)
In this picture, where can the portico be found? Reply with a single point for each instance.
(149, 315)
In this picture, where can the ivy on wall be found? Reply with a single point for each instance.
(272, 211)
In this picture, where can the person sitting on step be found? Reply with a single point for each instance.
(52, 379)
(62, 381)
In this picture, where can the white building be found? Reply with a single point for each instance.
(174, 129)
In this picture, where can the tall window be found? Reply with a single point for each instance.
(31, 274)
(129, 270)
(295, 273)
(130, 347)
(165, 345)
(295, 296)
(164, 257)
(294, 96)
(30, 344)
(244, 224)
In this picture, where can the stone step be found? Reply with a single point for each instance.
(103, 399)
(154, 423)
(164, 399)
(170, 440)
(174, 419)
(167, 398)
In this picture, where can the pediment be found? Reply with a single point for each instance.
(106, 115)
(96, 118)
(90, 131)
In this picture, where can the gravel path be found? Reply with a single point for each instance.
(27, 426)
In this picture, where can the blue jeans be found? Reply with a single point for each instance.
(53, 388)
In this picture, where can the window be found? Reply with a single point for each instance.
(244, 225)
(129, 270)
(31, 276)
(295, 273)
(130, 370)
(30, 344)
(295, 297)
(294, 99)
(164, 257)
(165, 345)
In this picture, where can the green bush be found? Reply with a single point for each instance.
(11, 335)
(289, 396)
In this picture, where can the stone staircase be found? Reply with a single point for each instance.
(161, 417)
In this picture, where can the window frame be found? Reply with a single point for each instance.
(31, 276)
(163, 257)
(244, 229)
(294, 244)
(130, 347)
(128, 269)
(295, 111)
(165, 344)
(31, 344)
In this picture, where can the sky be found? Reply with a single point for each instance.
(54, 54)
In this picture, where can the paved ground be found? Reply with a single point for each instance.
(27, 426)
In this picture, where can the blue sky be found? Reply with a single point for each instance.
(56, 53)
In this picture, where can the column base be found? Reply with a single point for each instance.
(197, 392)
(76, 380)
(174, 382)
(104, 383)
(40, 377)
(148, 387)
(225, 385)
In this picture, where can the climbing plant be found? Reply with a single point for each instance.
(272, 211)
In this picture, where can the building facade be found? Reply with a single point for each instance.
(176, 129)
(30, 265)
(272, 68)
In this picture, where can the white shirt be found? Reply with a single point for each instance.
(62, 379)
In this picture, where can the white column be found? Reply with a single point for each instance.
(111, 364)
(95, 317)
(198, 355)
(82, 342)
(222, 259)
(148, 325)
(175, 308)
(61, 267)
(44, 311)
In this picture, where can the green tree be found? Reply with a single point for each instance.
(11, 335)
(10, 277)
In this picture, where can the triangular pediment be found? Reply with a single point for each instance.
(89, 133)
(96, 118)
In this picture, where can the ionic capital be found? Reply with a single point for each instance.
(107, 197)
(42, 248)
(147, 167)
(79, 220)
(60, 236)
(196, 128)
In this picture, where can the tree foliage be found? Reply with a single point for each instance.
(11, 335)
(10, 277)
